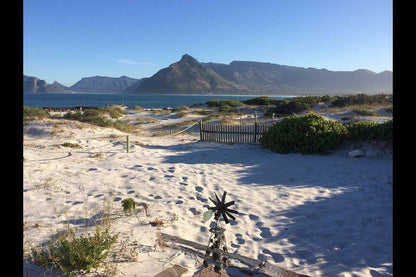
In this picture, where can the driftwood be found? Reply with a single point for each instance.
(253, 266)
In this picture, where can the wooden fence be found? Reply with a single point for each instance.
(229, 133)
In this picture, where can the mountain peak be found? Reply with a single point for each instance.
(188, 59)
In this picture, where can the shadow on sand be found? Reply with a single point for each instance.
(354, 226)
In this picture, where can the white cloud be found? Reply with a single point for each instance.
(127, 61)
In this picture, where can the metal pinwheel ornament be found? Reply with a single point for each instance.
(221, 208)
(216, 252)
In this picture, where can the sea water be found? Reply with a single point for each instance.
(147, 101)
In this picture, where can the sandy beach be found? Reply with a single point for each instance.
(318, 215)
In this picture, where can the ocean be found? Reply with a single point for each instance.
(146, 101)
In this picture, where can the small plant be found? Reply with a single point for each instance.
(71, 145)
(72, 254)
(129, 205)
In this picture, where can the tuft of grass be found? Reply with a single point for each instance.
(129, 205)
(71, 145)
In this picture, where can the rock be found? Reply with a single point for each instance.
(356, 153)
(210, 272)
(174, 271)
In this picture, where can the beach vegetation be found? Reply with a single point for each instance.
(369, 130)
(362, 99)
(74, 254)
(366, 112)
(71, 145)
(33, 113)
(129, 205)
(100, 117)
(261, 101)
(306, 134)
(225, 106)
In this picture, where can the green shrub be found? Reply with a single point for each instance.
(32, 113)
(74, 255)
(219, 103)
(364, 112)
(369, 130)
(307, 134)
(261, 101)
(362, 99)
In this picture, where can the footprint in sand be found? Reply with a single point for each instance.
(151, 168)
(130, 192)
(152, 178)
(253, 217)
(171, 169)
(98, 195)
(194, 211)
(169, 176)
(239, 238)
(183, 184)
(199, 189)
(179, 202)
(265, 231)
(276, 257)
(184, 179)
(202, 199)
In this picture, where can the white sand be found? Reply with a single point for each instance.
(320, 215)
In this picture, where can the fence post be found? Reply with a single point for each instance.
(128, 143)
(200, 129)
(255, 131)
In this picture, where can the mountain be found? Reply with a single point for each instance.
(35, 85)
(188, 76)
(100, 84)
(270, 78)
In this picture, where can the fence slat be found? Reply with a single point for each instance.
(229, 133)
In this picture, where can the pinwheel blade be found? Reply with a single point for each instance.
(229, 204)
(230, 215)
(213, 201)
(225, 218)
(232, 211)
(217, 197)
(223, 196)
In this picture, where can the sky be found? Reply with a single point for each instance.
(66, 40)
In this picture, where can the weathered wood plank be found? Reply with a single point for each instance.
(255, 266)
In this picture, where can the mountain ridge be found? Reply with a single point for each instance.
(188, 75)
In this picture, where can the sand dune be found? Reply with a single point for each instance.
(319, 215)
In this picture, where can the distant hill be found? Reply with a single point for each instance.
(35, 85)
(271, 78)
(188, 76)
(100, 84)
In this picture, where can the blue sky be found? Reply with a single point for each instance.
(65, 40)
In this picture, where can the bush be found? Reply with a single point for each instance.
(32, 113)
(362, 99)
(261, 101)
(74, 254)
(369, 130)
(307, 134)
